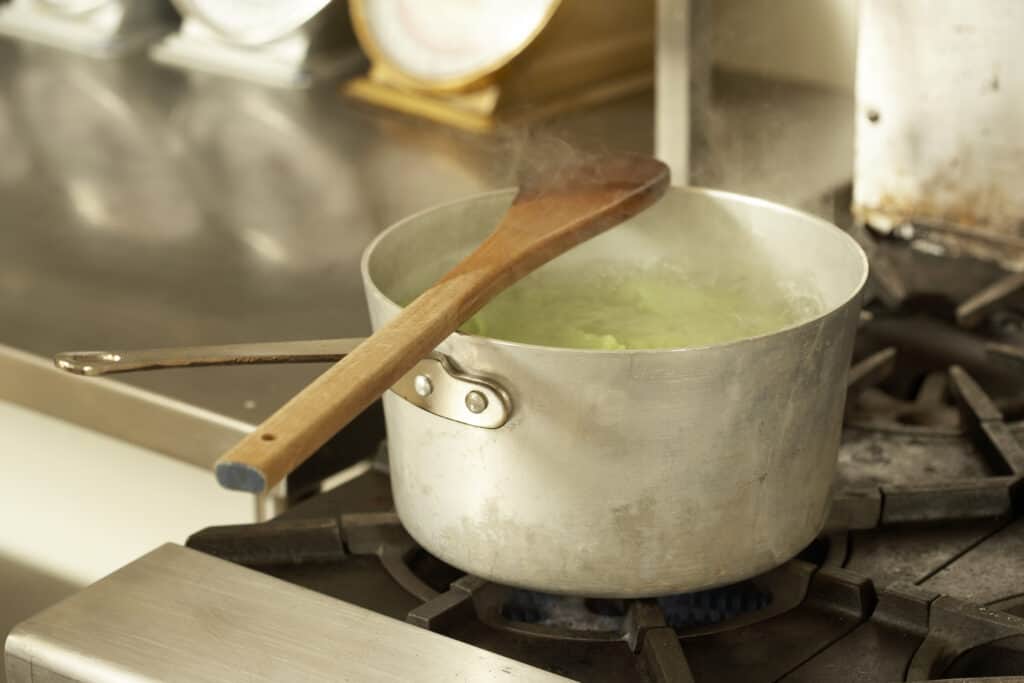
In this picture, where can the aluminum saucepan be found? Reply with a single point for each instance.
(629, 473)
(607, 473)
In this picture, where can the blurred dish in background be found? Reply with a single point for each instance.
(282, 44)
(476, 65)
(447, 45)
(253, 22)
(73, 7)
(99, 28)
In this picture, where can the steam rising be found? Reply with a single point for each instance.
(542, 158)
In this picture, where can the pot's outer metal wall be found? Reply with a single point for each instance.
(940, 99)
(629, 473)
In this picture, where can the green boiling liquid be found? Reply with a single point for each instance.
(612, 306)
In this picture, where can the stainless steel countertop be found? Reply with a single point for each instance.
(146, 207)
(177, 614)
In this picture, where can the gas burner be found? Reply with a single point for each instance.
(900, 378)
(928, 312)
(800, 621)
(917, 575)
(308, 542)
(715, 606)
(934, 392)
(579, 618)
(929, 487)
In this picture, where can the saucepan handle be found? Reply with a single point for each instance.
(108, 362)
(435, 384)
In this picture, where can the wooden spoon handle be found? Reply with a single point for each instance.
(547, 218)
(289, 436)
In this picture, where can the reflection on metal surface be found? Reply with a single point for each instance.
(140, 417)
(115, 159)
(179, 614)
(283, 189)
(99, 28)
(284, 44)
(409, 164)
(67, 284)
(15, 161)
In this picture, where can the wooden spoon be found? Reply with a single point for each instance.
(548, 217)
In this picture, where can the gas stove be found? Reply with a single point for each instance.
(916, 576)
(889, 602)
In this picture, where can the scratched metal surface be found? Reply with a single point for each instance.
(939, 99)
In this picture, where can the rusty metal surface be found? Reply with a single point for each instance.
(938, 105)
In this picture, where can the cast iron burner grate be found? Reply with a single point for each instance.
(931, 464)
(918, 575)
(822, 622)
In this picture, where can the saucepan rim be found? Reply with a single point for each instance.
(375, 291)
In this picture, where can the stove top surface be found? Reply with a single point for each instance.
(918, 574)
(894, 602)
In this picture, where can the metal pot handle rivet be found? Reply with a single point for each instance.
(437, 387)
(476, 402)
(422, 385)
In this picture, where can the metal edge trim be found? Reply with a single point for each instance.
(193, 435)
